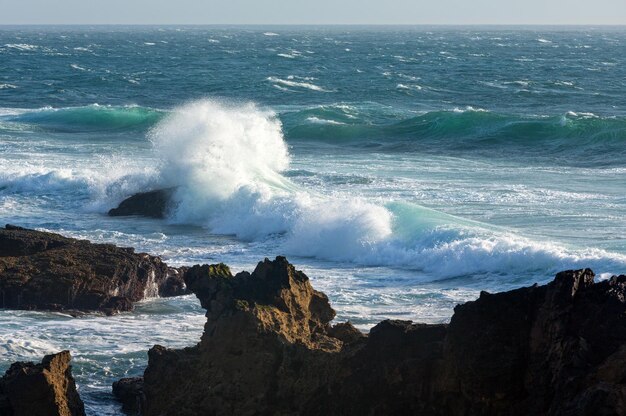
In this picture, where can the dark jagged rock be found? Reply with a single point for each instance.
(45, 389)
(40, 270)
(129, 391)
(174, 284)
(268, 348)
(153, 204)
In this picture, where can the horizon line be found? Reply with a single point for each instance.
(327, 24)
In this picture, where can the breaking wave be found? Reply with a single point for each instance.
(228, 161)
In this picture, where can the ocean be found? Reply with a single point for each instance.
(404, 169)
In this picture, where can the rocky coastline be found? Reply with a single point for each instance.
(46, 271)
(270, 346)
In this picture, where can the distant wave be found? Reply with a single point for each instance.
(582, 136)
(571, 134)
(88, 118)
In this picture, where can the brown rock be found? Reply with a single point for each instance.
(268, 348)
(45, 389)
(40, 270)
(260, 330)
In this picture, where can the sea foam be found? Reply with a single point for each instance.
(228, 162)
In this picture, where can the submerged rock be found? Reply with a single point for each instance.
(153, 204)
(45, 389)
(268, 348)
(40, 270)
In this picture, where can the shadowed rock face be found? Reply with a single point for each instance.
(153, 204)
(45, 389)
(40, 270)
(268, 348)
(129, 391)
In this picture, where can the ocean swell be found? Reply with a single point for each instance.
(474, 130)
(89, 118)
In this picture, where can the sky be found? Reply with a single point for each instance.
(545, 12)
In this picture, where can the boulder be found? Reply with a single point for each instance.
(268, 348)
(154, 204)
(45, 389)
(46, 271)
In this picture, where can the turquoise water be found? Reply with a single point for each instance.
(403, 169)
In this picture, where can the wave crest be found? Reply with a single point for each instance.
(570, 135)
(212, 149)
(88, 118)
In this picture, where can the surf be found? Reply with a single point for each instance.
(228, 162)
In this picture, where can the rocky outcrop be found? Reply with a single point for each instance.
(40, 270)
(129, 391)
(153, 204)
(268, 348)
(45, 389)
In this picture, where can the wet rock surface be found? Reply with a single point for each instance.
(45, 389)
(129, 391)
(268, 348)
(154, 204)
(46, 271)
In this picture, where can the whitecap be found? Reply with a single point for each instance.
(469, 108)
(316, 120)
(414, 87)
(291, 82)
(281, 88)
(522, 83)
(22, 46)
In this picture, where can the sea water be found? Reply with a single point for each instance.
(404, 169)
